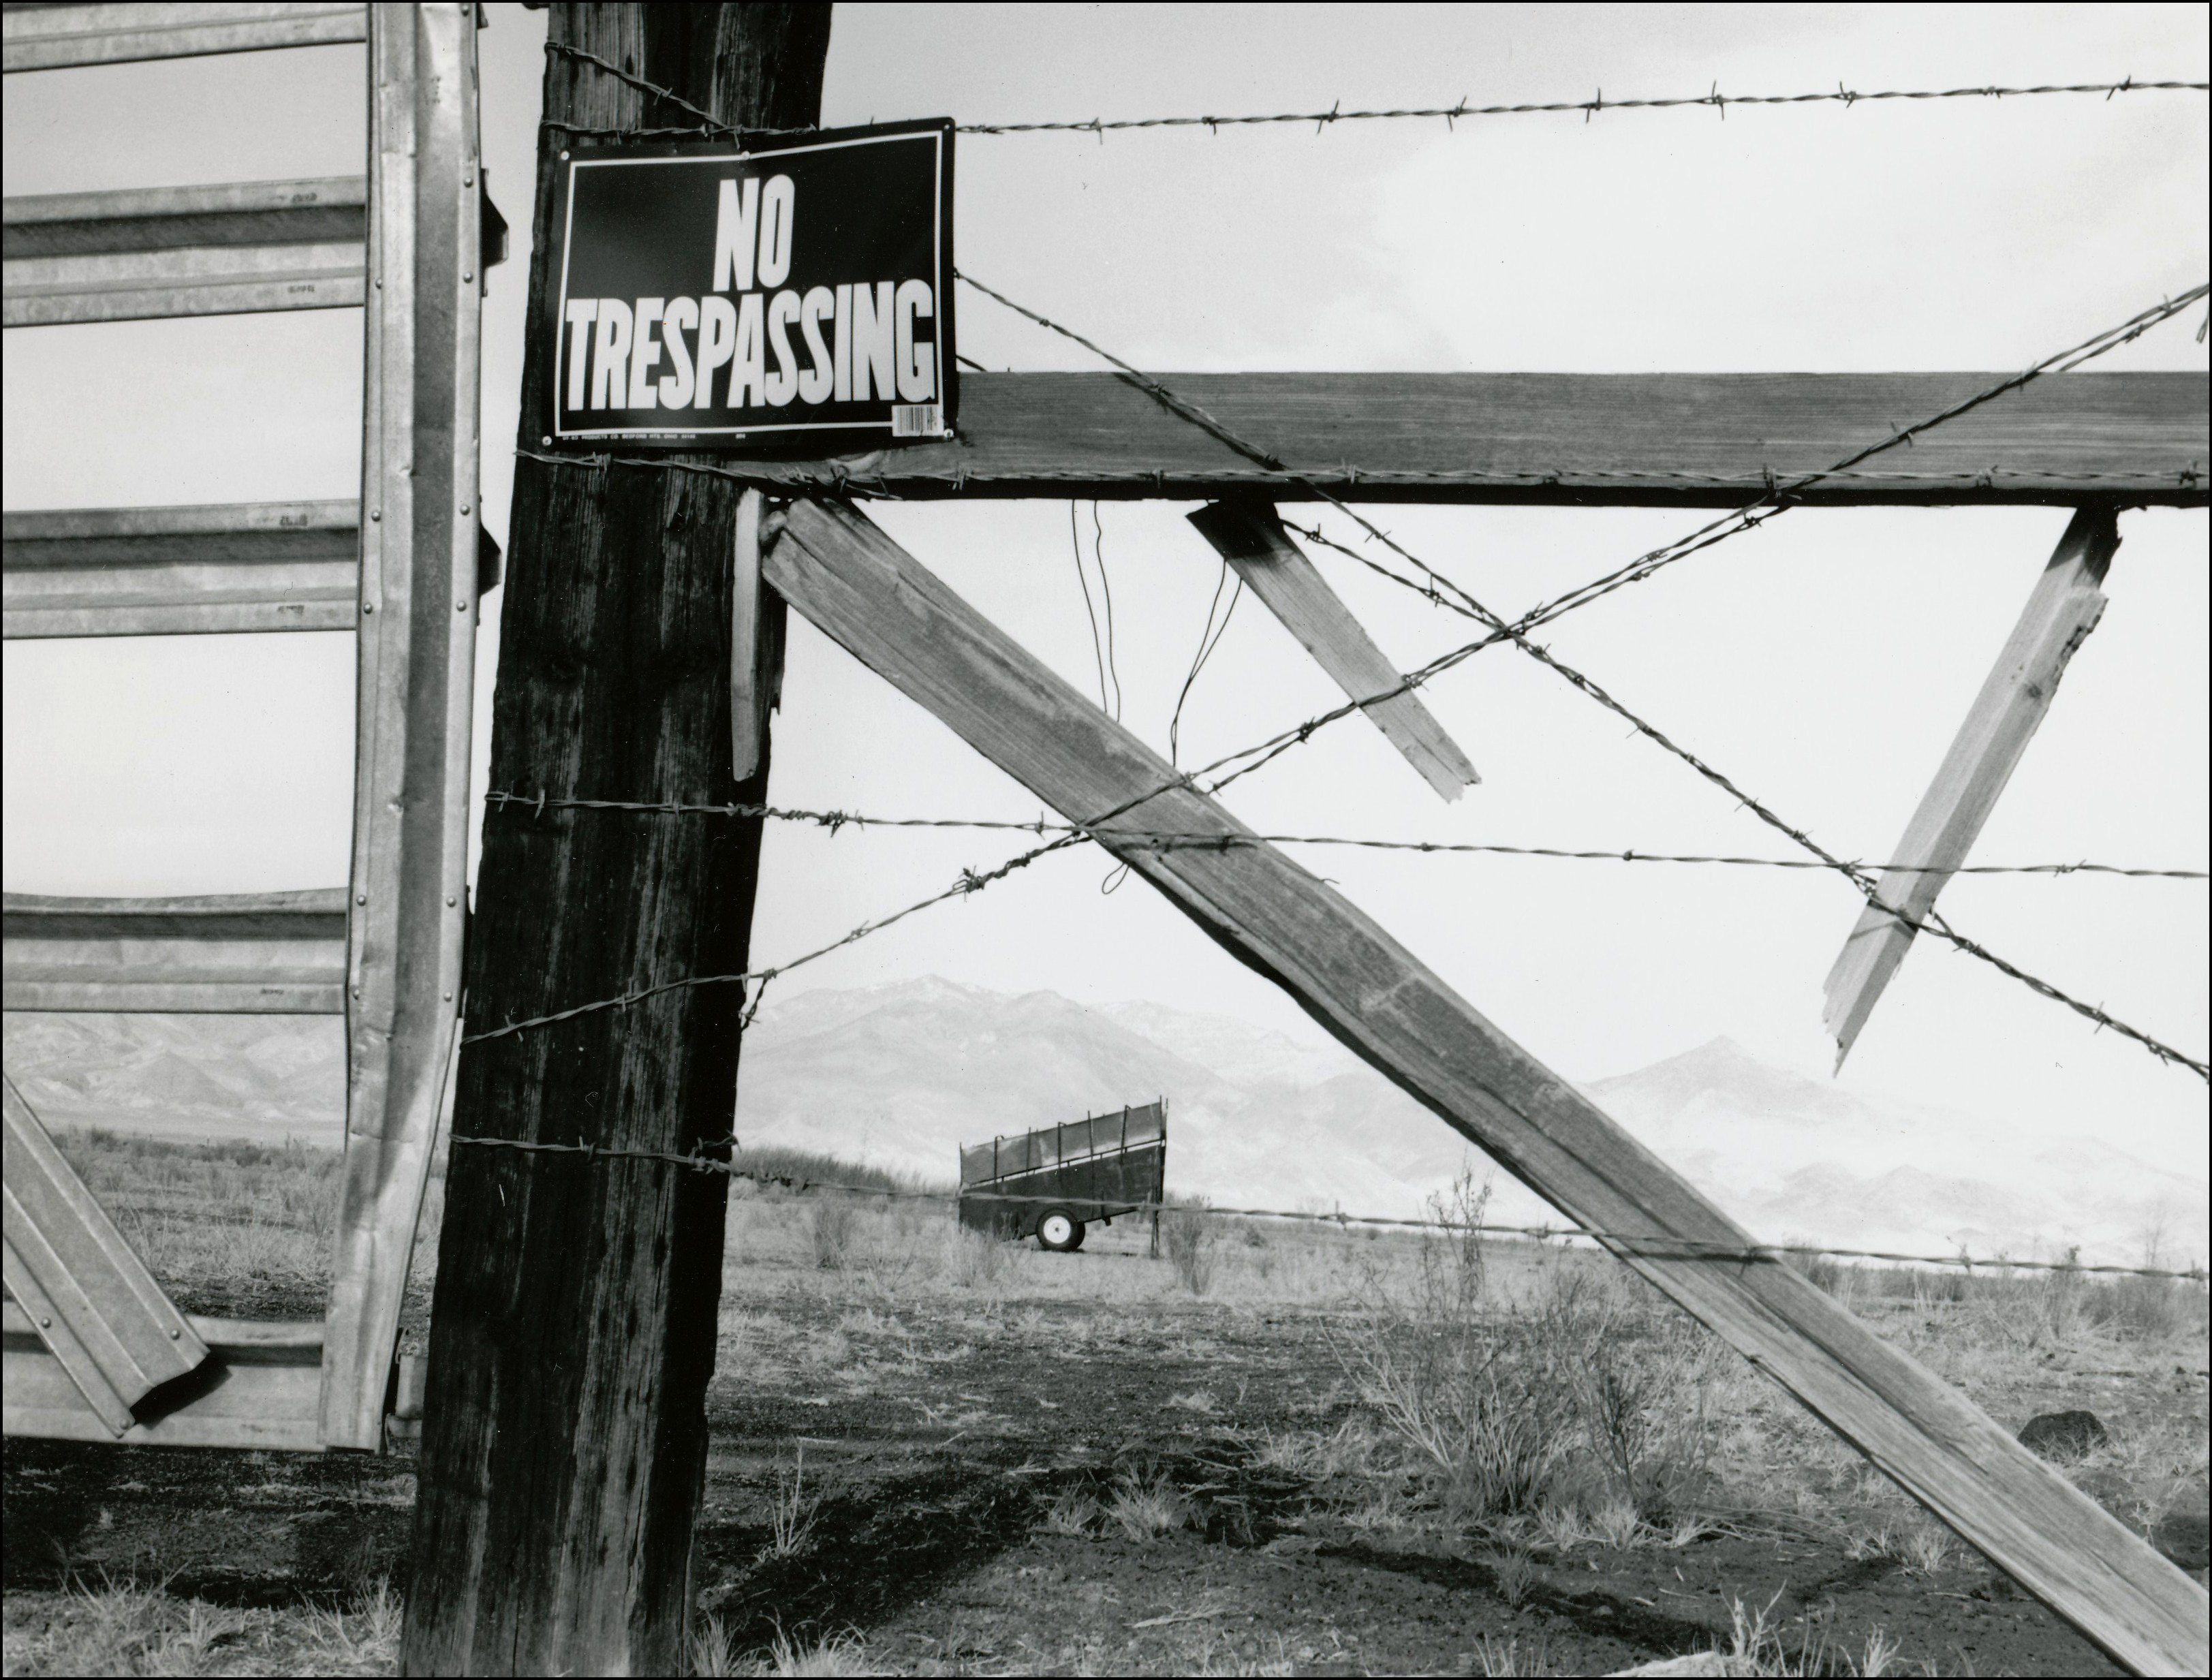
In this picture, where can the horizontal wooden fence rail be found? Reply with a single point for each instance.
(183, 251)
(170, 571)
(36, 38)
(1651, 440)
(259, 954)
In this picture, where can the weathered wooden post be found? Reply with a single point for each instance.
(564, 1439)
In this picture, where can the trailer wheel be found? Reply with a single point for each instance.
(1059, 1232)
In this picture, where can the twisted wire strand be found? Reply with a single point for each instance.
(1187, 840)
(710, 125)
(1649, 1244)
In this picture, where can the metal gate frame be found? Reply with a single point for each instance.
(94, 1350)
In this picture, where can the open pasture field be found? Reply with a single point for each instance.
(1276, 1448)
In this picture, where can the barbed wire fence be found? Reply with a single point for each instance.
(1744, 519)
(1778, 496)
(1647, 1246)
(1183, 840)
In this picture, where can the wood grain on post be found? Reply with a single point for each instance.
(2063, 608)
(1251, 538)
(573, 1333)
(865, 592)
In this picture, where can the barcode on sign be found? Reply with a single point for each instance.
(914, 420)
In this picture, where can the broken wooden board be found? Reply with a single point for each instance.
(2063, 609)
(867, 593)
(1251, 538)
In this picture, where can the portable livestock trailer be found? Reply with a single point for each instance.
(1051, 1183)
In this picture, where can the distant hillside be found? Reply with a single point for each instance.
(899, 1076)
(261, 1077)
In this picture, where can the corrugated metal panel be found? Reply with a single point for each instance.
(36, 38)
(183, 251)
(257, 1389)
(171, 571)
(1050, 1145)
(280, 954)
(416, 684)
(109, 1327)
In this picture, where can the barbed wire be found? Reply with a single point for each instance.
(1184, 840)
(710, 126)
(1646, 1246)
(1731, 525)
(971, 881)
(1451, 115)
(1262, 754)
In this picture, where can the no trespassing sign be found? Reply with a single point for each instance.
(716, 294)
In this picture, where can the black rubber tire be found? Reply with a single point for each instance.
(1059, 1223)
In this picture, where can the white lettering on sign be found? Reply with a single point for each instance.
(779, 328)
(736, 227)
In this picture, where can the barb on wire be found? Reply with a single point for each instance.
(970, 881)
(707, 118)
(1657, 1245)
(2110, 338)
(1450, 115)
(1185, 840)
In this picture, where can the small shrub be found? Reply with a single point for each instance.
(1511, 1572)
(832, 1224)
(1147, 1506)
(1074, 1512)
(791, 1512)
(832, 1654)
(1189, 1238)
(1930, 1551)
(978, 1261)
(1616, 1524)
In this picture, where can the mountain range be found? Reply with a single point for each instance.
(899, 1076)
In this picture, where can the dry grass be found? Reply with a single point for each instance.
(124, 1628)
(1505, 1401)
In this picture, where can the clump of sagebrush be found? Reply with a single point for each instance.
(1190, 1239)
(1587, 1392)
(831, 1222)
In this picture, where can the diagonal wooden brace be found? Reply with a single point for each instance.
(1249, 537)
(85, 1290)
(865, 592)
(2062, 611)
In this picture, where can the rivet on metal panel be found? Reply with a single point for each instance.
(46, 1323)
(464, 507)
(451, 902)
(374, 514)
(460, 606)
(360, 897)
(545, 443)
(368, 606)
(467, 275)
(176, 1335)
(564, 157)
(449, 997)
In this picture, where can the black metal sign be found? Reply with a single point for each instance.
(775, 291)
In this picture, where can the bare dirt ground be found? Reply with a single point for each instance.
(932, 1455)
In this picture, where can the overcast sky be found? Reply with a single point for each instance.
(1824, 663)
